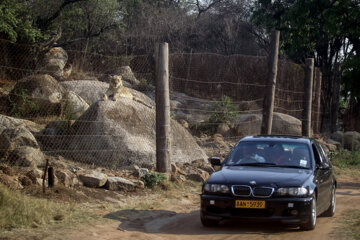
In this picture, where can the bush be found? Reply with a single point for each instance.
(153, 179)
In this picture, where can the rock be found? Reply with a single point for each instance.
(283, 124)
(34, 174)
(119, 184)
(207, 168)
(63, 177)
(122, 133)
(10, 122)
(12, 138)
(352, 140)
(140, 172)
(93, 179)
(337, 136)
(26, 156)
(139, 183)
(336, 144)
(149, 166)
(125, 72)
(25, 181)
(6, 170)
(223, 129)
(75, 106)
(54, 62)
(89, 90)
(10, 182)
(184, 123)
(37, 95)
(199, 176)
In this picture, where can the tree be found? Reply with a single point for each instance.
(321, 29)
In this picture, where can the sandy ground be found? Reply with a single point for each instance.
(180, 220)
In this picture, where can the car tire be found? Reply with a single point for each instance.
(311, 223)
(208, 222)
(331, 210)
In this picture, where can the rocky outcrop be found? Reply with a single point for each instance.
(7, 122)
(75, 106)
(122, 133)
(54, 63)
(12, 138)
(93, 179)
(250, 124)
(26, 156)
(119, 184)
(37, 95)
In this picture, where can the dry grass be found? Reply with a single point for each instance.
(21, 211)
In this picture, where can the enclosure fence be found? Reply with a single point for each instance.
(206, 90)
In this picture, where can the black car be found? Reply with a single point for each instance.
(272, 178)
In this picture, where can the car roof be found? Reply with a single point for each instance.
(276, 138)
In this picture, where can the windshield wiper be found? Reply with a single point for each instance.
(254, 164)
(293, 166)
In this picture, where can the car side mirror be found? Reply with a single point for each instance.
(215, 161)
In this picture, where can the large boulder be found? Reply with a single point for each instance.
(351, 140)
(54, 62)
(92, 91)
(37, 95)
(89, 90)
(75, 106)
(122, 133)
(10, 122)
(12, 138)
(337, 136)
(250, 124)
(125, 72)
(26, 156)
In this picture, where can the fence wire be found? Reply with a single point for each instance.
(62, 94)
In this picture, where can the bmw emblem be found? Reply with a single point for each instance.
(253, 183)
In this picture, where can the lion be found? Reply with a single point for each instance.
(117, 89)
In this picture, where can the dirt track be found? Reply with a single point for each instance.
(184, 223)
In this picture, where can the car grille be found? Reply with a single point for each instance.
(242, 191)
(246, 191)
(263, 191)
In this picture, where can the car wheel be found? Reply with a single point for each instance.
(331, 210)
(208, 222)
(311, 223)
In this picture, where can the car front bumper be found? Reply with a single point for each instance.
(285, 210)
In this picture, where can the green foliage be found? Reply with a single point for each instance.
(346, 159)
(225, 111)
(15, 23)
(24, 105)
(153, 179)
(317, 28)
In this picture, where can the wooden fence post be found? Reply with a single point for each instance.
(308, 86)
(162, 109)
(268, 109)
(318, 101)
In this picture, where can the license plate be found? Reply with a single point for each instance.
(249, 204)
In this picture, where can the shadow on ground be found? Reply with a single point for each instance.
(169, 222)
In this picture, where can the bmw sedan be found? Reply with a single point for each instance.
(271, 178)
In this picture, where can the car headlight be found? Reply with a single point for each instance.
(216, 188)
(293, 191)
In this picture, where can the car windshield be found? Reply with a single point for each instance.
(263, 153)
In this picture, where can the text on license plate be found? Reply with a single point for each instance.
(249, 204)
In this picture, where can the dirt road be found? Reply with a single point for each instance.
(183, 223)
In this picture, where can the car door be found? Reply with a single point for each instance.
(322, 178)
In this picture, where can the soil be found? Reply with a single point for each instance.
(179, 219)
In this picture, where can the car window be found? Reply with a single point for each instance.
(325, 159)
(282, 154)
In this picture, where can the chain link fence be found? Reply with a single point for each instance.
(55, 101)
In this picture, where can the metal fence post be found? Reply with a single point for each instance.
(162, 109)
(269, 98)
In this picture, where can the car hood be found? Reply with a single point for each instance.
(263, 176)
